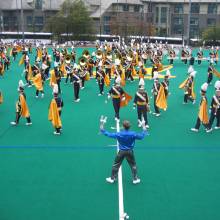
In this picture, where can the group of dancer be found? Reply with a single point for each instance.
(110, 62)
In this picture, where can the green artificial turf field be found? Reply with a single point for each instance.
(63, 177)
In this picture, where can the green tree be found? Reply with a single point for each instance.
(211, 34)
(73, 19)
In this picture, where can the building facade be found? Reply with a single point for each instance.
(168, 18)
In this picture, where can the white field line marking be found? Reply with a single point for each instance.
(120, 185)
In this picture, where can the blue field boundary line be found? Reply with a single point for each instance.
(105, 148)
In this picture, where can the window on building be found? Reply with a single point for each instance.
(194, 32)
(163, 18)
(106, 29)
(136, 8)
(6, 21)
(39, 21)
(195, 8)
(211, 22)
(157, 15)
(177, 30)
(178, 8)
(194, 21)
(178, 21)
(106, 19)
(150, 7)
(212, 8)
(125, 7)
(38, 4)
(29, 20)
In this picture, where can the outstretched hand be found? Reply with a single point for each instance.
(103, 120)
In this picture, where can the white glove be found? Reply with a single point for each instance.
(103, 120)
(109, 96)
(123, 99)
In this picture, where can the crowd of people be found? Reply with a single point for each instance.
(112, 65)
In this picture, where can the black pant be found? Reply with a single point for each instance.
(26, 78)
(116, 104)
(129, 75)
(76, 90)
(142, 111)
(17, 118)
(210, 77)
(156, 109)
(213, 116)
(129, 155)
(101, 85)
(187, 97)
(67, 77)
(83, 80)
(199, 62)
(58, 84)
(171, 61)
(198, 123)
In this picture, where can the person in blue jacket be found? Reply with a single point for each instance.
(126, 140)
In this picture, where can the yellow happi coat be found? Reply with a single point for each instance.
(37, 80)
(53, 115)
(24, 108)
(161, 101)
(203, 111)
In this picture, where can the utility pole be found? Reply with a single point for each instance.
(188, 26)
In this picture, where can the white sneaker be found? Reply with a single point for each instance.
(194, 129)
(13, 123)
(29, 123)
(157, 115)
(36, 96)
(110, 180)
(136, 181)
(29, 86)
(83, 87)
(77, 100)
(209, 130)
(147, 126)
(99, 94)
(216, 127)
(42, 95)
(56, 133)
(194, 101)
(154, 113)
(184, 103)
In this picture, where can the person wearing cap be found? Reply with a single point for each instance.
(108, 64)
(210, 71)
(128, 68)
(83, 72)
(28, 74)
(191, 60)
(203, 111)
(117, 93)
(188, 86)
(141, 72)
(69, 70)
(200, 56)
(126, 140)
(100, 76)
(55, 109)
(55, 76)
(38, 83)
(166, 83)
(215, 107)
(21, 106)
(141, 101)
(76, 83)
(155, 91)
(172, 55)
